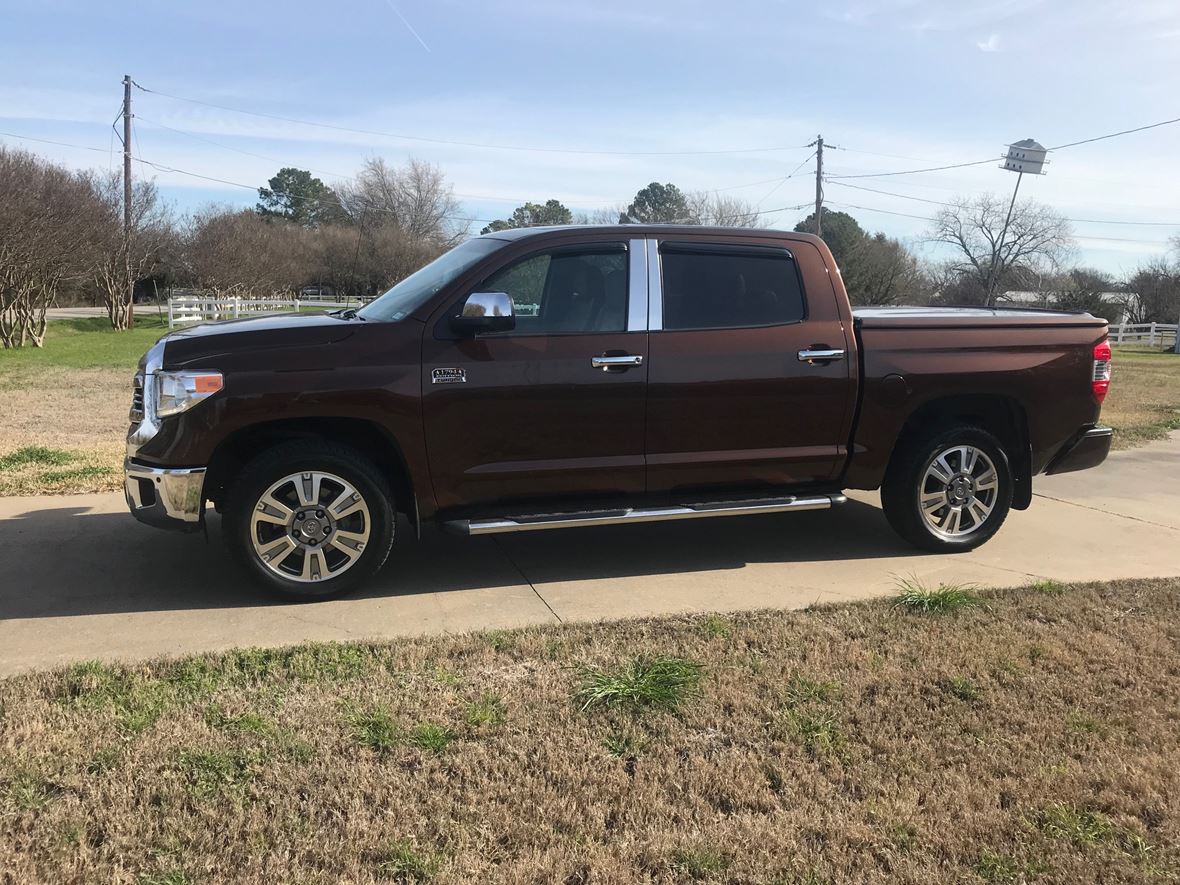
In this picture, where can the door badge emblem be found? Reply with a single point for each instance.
(448, 376)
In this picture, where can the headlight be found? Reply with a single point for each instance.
(178, 392)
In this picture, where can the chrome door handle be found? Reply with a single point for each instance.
(820, 356)
(614, 362)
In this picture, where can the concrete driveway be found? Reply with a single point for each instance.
(82, 579)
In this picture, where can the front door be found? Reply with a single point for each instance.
(731, 405)
(532, 414)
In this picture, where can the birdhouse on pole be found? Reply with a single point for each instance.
(1027, 156)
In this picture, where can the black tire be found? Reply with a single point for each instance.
(906, 481)
(374, 521)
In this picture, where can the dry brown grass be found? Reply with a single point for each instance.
(1144, 399)
(1035, 736)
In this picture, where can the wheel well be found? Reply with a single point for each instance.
(1001, 416)
(368, 438)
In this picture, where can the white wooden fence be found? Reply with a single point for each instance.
(198, 308)
(1151, 334)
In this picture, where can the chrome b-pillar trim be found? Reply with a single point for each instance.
(637, 288)
(655, 290)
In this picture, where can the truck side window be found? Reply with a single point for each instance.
(564, 292)
(720, 289)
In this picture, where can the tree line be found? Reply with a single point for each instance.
(62, 235)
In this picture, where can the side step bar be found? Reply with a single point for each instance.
(641, 514)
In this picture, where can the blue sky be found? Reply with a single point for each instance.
(898, 84)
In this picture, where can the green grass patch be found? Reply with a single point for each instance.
(624, 743)
(1047, 585)
(715, 627)
(963, 688)
(375, 729)
(1003, 869)
(1062, 820)
(34, 455)
(136, 702)
(699, 863)
(819, 731)
(660, 682)
(90, 343)
(406, 862)
(89, 471)
(210, 773)
(430, 737)
(802, 690)
(24, 789)
(914, 596)
(488, 709)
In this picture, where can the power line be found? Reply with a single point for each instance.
(784, 180)
(916, 171)
(1115, 134)
(472, 144)
(81, 147)
(944, 203)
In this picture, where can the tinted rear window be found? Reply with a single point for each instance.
(727, 289)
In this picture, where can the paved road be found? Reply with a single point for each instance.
(83, 580)
(75, 313)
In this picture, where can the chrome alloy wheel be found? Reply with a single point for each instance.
(958, 491)
(310, 526)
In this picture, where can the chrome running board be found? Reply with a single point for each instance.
(641, 514)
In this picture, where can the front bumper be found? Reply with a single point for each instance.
(165, 497)
(1088, 449)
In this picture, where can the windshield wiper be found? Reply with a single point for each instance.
(346, 313)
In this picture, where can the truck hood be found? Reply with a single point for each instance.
(233, 339)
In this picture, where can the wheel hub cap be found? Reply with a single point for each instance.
(310, 526)
(958, 491)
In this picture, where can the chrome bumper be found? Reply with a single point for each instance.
(165, 497)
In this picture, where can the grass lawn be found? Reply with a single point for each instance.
(66, 404)
(1011, 736)
(1144, 399)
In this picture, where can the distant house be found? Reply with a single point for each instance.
(1116, 300)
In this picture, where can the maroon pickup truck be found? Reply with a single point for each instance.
(578, 376)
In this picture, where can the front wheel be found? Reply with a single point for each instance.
(309, 520)
(950, 491)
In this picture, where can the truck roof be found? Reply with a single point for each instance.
(641, 230)
(894, 317)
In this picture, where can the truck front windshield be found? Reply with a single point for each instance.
(412, 292)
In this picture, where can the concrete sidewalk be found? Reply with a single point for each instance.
(83, 580)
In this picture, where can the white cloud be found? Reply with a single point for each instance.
(991, 44)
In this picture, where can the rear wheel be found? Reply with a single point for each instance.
(949, 491)
(309, 520)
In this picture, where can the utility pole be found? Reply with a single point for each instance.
(819, 185)
(127, 157)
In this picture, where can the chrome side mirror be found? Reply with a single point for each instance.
(485, 312)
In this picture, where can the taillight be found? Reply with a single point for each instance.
(1101, 379)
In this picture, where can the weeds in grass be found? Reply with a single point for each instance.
(26, 790)
(497, 640)
(914, 596)
(699, 863)
(803, 690)
(104, 759)
(1062, 820)
(1079, 723)
(216, 772)
(963, 688)
(623, 743)
(171, 876)
(137, 702)
(375, 729)
(443, 676)
(715, 627)
(488, 709)
(405, 862)
(660, 682)
(1047, 586)
(430, 736)
(89, 471)
(1002, 869)
(818, 730)
(34, 455)
(1035, 653)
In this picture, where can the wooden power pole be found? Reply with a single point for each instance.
(127, 156)
(819, 185)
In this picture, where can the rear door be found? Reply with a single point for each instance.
(733, 401)
(534, 413)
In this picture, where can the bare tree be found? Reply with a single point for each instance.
(47, 220)
(125, 257)
(881, 270)
(990, 248)
(416, 197)
(239, 251)
(710, 207)
(1154, 293)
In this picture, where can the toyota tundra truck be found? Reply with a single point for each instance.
(561, 377)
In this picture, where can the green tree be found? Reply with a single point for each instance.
(659, 204)
(298, 197)
(842, 233)
(533, 215)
